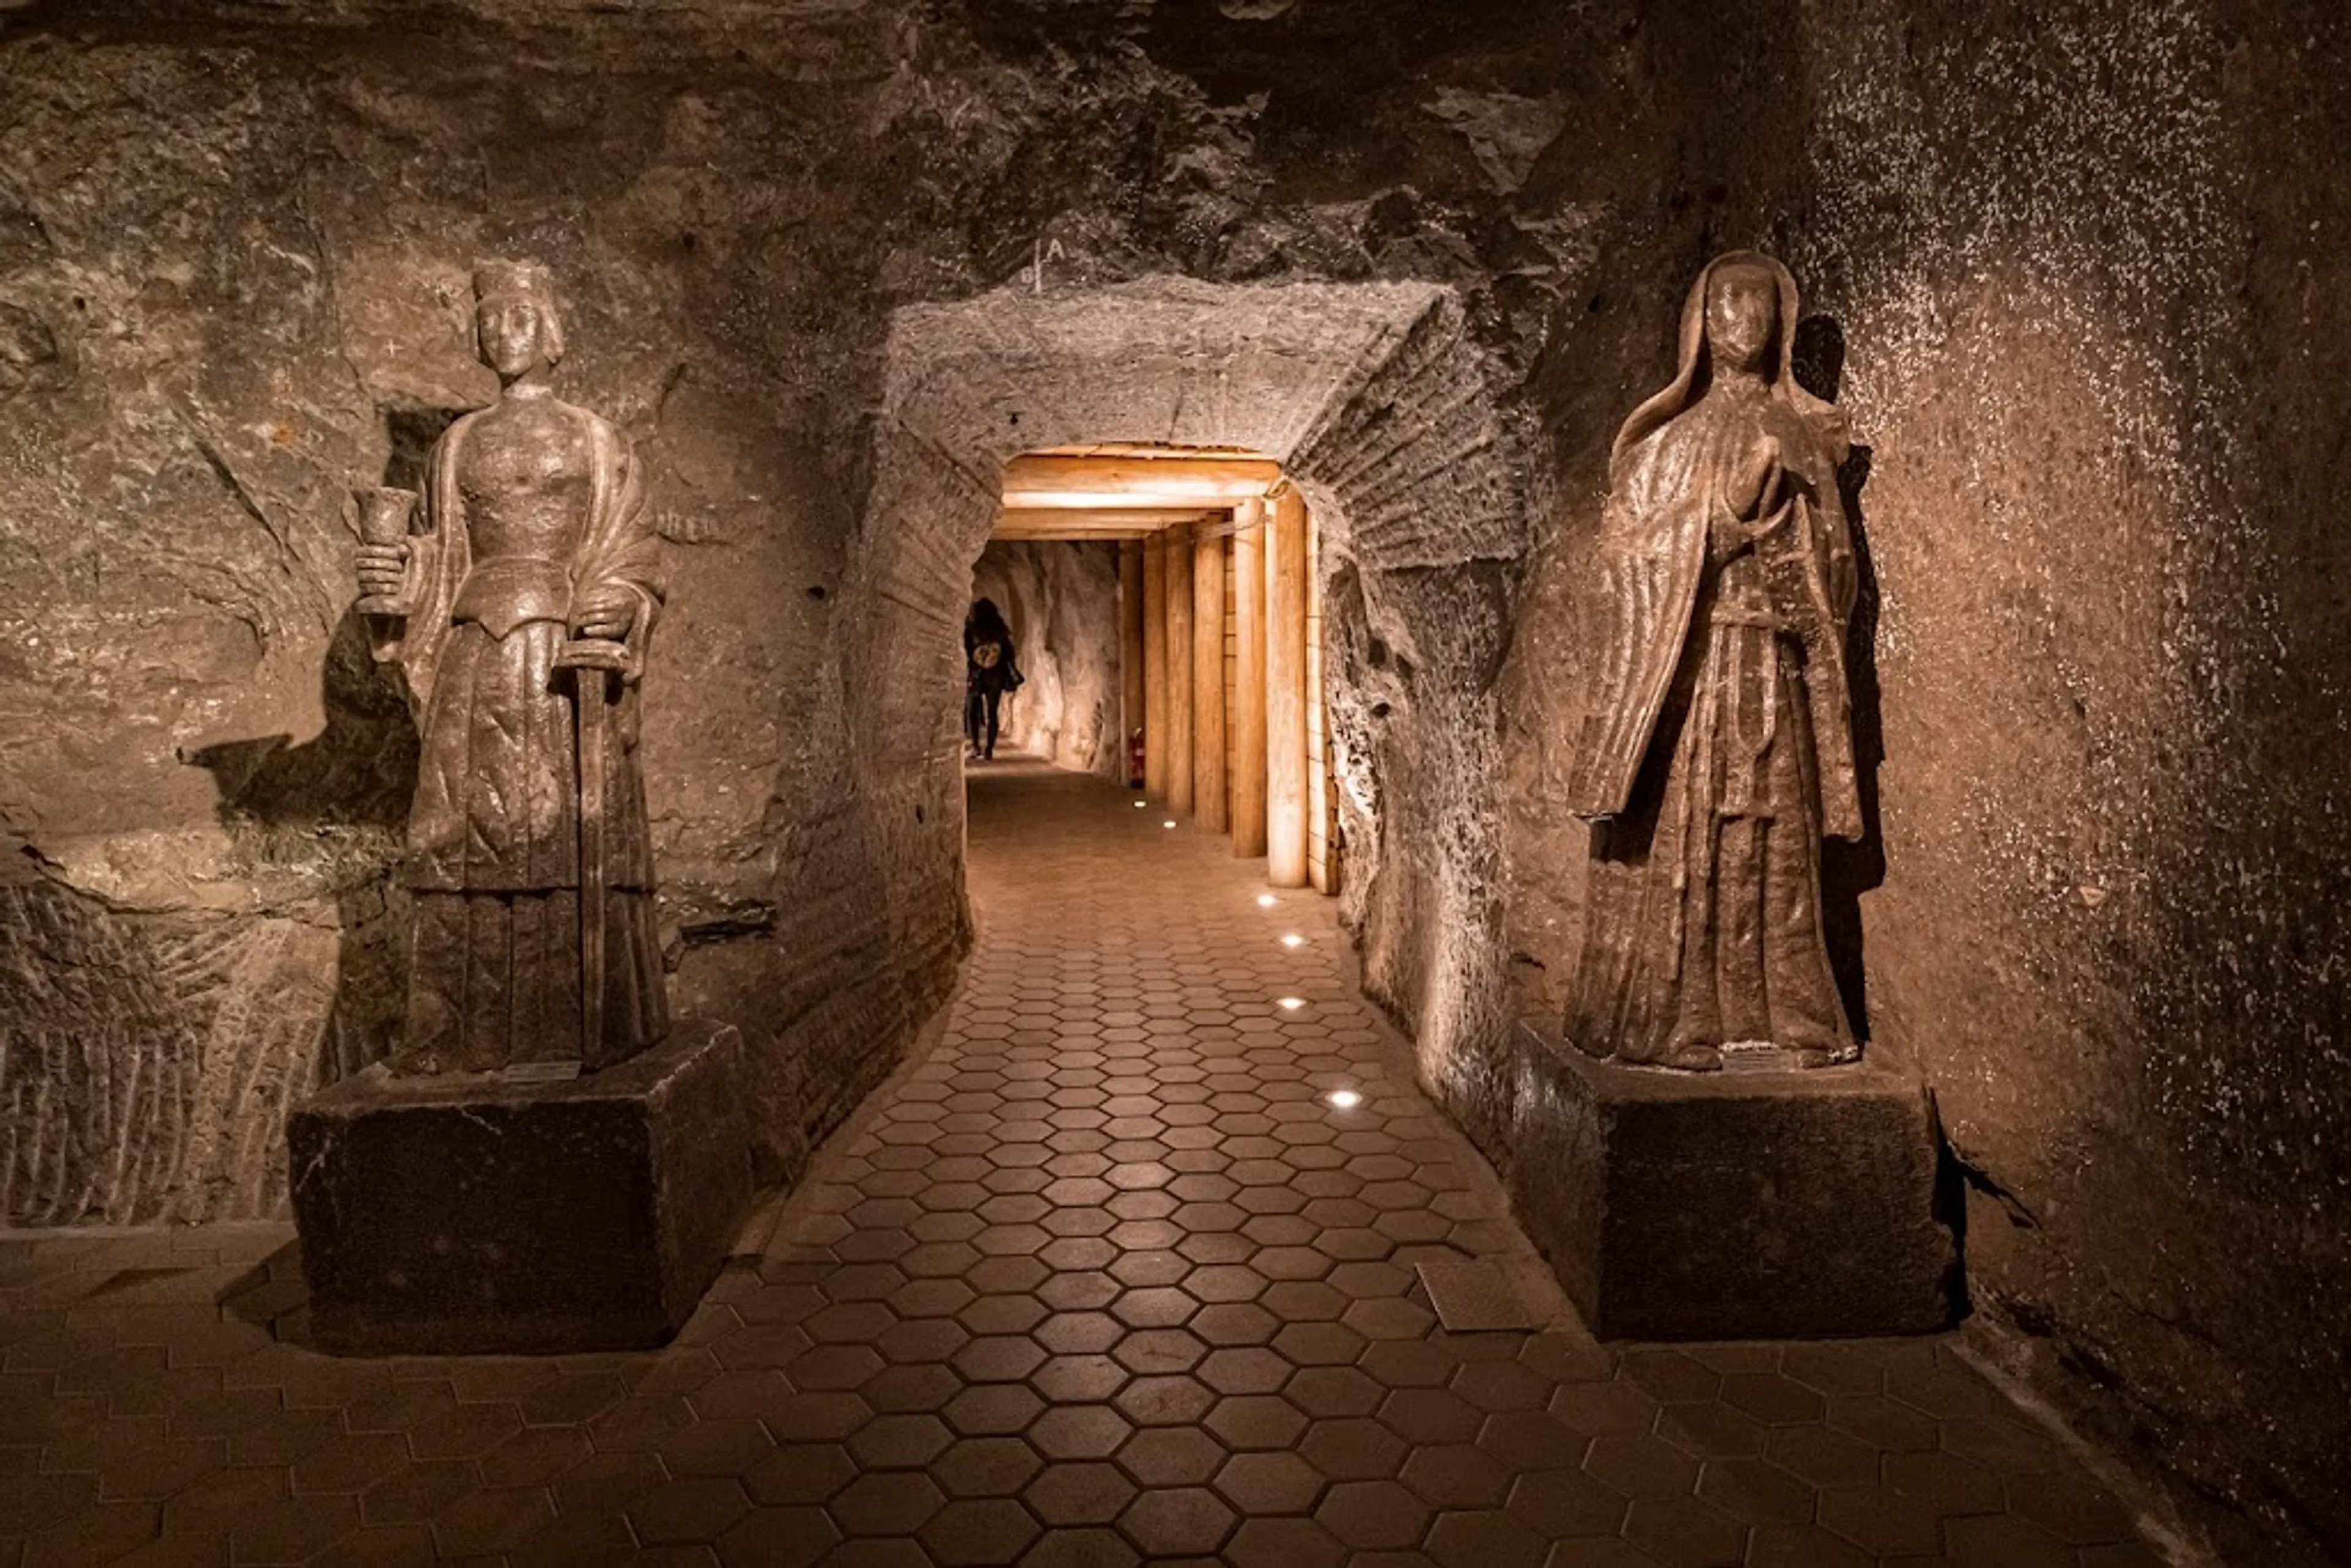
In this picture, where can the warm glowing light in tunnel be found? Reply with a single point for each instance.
(1168, 823)
(1101, 482)
(1266, 900)
(1140, 804)
(1291, 1004)
(1293, 940)
(1344, 1099)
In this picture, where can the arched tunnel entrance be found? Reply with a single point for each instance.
(1375, 403)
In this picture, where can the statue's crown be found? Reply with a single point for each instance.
(497, 280)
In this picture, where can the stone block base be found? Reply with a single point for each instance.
(481, 1214)
(1732, 1204)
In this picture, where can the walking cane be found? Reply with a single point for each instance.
(594, 663)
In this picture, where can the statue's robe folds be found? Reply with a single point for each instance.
(494, 849)
(1719, 744)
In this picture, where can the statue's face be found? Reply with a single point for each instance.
(1742, 309)
(513, 331)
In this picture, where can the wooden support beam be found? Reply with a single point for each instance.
(1321, 803)
(1247, 716)
(1151, 449)
(1130, 656)
(1090, 483)
(1065, 522)
(1067, 535)
(1155, 665)
(1208, 682)
(1179, 668)
(1285, 690)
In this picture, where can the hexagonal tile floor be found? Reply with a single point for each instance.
(1104, 1278)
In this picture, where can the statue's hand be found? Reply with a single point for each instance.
(1766, 529)
(1726, 535)
(383, 570)
(607, 612)
(1755, 483)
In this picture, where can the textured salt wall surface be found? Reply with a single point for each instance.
(1061, 600)
(2116, 731)
(2072, 272)
(235, 276)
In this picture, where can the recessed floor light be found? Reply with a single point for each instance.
(1291, 1004)
(1344, 1099)
(1265, 901)
(1293, 940)
(1140, 804)
(1168, 823)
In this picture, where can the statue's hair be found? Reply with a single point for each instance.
(500, 279)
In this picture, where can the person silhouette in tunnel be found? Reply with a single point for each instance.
(989, 672)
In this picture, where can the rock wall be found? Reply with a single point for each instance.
(233, 283)
(2116, 731)
(2100, 907)
(2080, 295)
(1062, 600)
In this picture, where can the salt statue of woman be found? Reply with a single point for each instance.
(1720, 748)
(534, 546)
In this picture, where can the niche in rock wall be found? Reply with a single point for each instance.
(409, 435)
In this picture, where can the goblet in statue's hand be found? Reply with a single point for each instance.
(604, 612)
(383, 570)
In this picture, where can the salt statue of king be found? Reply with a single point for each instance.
(520, 607)
(1718, 751)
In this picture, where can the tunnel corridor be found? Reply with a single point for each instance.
(490, 494)
(1171, 596)
(1125, 1265)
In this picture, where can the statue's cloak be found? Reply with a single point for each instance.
(1665, 477)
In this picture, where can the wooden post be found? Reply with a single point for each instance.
(1285, 689)
(1130, 654)
(1155, 665)
(1208, 681)
(1179, 668)
(1322, 832)
(1248, 716)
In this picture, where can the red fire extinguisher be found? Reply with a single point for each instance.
(1135, 761)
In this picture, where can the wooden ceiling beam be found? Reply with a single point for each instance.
(1054, 481)
(1069, 535)
(1125, 518)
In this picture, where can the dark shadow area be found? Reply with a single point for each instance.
(1850, 868)
(304, 803)
(1953, 1175)
(359, 772)
(272, 1294)
(411, 432)
(1957, 1180)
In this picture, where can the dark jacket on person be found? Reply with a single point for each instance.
(988, 663)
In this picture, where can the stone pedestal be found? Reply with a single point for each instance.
(1736, 1205)
(487, 1214)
